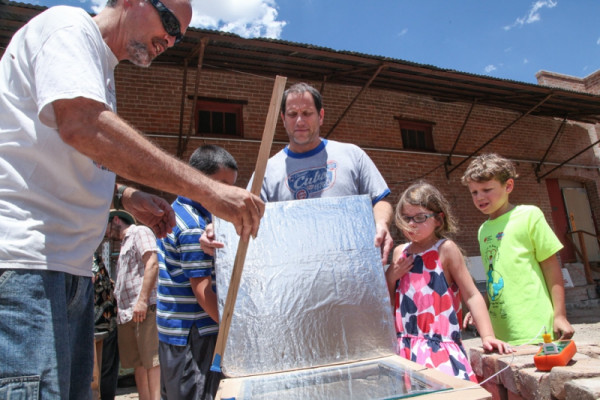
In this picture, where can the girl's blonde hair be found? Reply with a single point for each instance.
(423, 194)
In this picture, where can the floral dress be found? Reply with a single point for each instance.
(428, 315)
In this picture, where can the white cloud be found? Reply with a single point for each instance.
(598, 41)
(97, 5)
(525, 61)
(247, 18)
(490, 68)
(534, 13)
(403, 32)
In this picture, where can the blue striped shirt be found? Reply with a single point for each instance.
(181, 258)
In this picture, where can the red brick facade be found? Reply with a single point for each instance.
(150, 99)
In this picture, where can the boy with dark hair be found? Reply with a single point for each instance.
(525, 287)
(187, 304)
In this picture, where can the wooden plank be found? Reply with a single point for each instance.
(240, 256)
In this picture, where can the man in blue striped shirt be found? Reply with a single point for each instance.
(187, 311)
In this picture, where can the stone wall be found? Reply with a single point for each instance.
(521, 380)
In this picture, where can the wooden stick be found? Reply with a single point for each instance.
(240, 257)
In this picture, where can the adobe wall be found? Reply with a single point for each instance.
(150, 100)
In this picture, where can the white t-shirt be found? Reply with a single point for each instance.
(332, 169)
(53, 200)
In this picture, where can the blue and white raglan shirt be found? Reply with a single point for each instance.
(332, 169)
(181, 258)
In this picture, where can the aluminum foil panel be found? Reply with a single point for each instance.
(312, 292)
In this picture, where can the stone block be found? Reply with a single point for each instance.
(490, 367)
(583, 389)
(559, 376)
(577, 273)
(498, 392)
(589, 349)
(514, 396)
(534, 384)
(576, 294)
(509, 377)
(476, 355)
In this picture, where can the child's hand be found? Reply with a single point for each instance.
(490, 343)
(563, 328)
(468, 320)
(208, 244)
(399, 268)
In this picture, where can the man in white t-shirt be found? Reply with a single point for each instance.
(61, 143)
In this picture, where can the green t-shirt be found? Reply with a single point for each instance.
(512, 247)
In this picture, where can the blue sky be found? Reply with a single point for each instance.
(508, 39)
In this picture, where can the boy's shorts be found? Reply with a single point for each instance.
(138, 342)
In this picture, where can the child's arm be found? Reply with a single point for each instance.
(468, 319)
(555, 284)
(398, 268)
(207, 298)
(456, 271)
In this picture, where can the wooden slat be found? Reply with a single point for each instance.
(240, 257)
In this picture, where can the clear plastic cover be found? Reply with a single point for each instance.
(377, 379)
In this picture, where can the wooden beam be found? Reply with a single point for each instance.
(240, 256)
(365, 87)
(191, 125)
(499, 133)
(449, 158)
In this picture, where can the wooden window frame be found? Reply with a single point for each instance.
(214, 106)
(416, 135)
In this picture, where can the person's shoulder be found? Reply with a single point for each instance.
(66, 14)
(142, 230)
(397, 253)
(280, 155)
(528, 209)
(342, 145)
(449, 246)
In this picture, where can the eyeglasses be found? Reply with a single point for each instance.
(168, 19)
(419, 218)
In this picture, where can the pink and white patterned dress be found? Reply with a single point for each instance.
(428, 315)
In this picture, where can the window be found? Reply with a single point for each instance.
(219, 117)
(416, 135)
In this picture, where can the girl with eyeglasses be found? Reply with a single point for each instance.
(426, 279)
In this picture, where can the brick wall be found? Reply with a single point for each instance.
(150, 99)
(589, 84)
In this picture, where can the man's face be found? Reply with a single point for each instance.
(151, 38)
(225, 175)
(115, 228)
(302, 122)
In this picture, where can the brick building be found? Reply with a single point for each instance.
(415, 121)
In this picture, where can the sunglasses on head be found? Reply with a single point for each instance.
(168, 19)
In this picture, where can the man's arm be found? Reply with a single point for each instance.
(151, 210)
(554, 282)
(150, 261)
(207, 298)
(383, 212)
(93, 130)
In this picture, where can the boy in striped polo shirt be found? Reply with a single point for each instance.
(187, 311)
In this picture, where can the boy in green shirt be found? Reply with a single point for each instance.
(525, 288)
